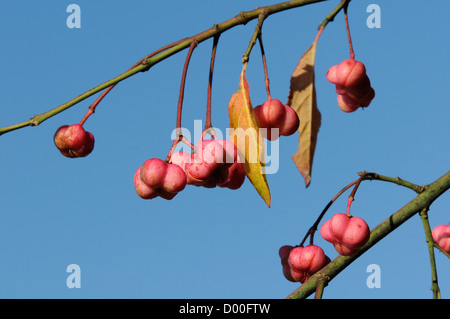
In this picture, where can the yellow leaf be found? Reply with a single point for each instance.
(302, 98)
(244, 132)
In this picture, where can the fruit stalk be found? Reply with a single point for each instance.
(266, 73)
(347, 26)
(261, 17)
(192, 46)
(208, 124)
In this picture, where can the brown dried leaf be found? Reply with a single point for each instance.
(302, 98)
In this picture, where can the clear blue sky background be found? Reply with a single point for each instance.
(211, 243)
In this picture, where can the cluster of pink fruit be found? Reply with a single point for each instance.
(352, 85)
(348, 234)
(214, 163)
(158, 178)
(276, 118)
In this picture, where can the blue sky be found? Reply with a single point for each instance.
(211, 243)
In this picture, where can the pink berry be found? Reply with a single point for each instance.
(201, 165)
(215, 164)
(229, 154)
(175, 179)
(347, 234)
(153, 172)
(160, 178)
(143, 190)
(197, 171)
(218, 151)
(231, 176)
(368, 98)
(287, 273)
(348, 73)
(350, 102)
(73, 141)
(207, 151)
(231, 173)
(284, 252)
(306, 261)
(276, 119)
(333, 75)
(291, 122)
(361, 92)
(352, 85)
(271, 113)
(179, 158)
(441, 235)
(347, 104)
(166, 195)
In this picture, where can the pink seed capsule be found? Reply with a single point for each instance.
(153, 172)
(352, 85)
(175, 179)
(143, 190)
(347, 234)
(291, 122)
(306, 261)
(73, 141)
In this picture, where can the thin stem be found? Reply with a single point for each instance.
(183, 82)
(347, 26)
(179, 136)
(441, 249)
(430, 243)
(211, 70)
(261, 17)
(92, 107)
(395, 180)
(266, 73)
(329, 18)
(313, 228)
(172, 149)
(210, 131)
(179, 139)
(372, 176)
(208, 124)
(240, 19)
(351, 197)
